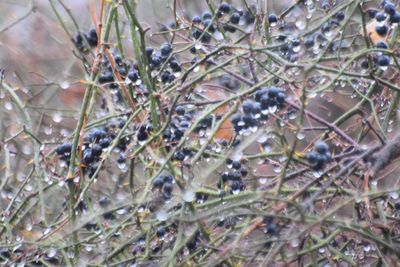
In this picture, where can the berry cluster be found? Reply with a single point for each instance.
(94, 143)
(319, 156)
(234, 177)
(228, 18)
(384, 19)
(180, 123)
(81, 39)
(163, 183)
(267, 101)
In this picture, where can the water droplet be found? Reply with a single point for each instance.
(262, 138)
(29, 227)
(196, 69)
(237, 156)
(8, 105)
(317, 174)
(312, 94)
(394, 195)
(52, 252)
(188, 195)
(272, 109)
(218, 36)
(48, 130)
(366, 247)
(296, 49)
(122, 166)
(294, 243)
(162, 215)
(263, 180)
(64, 85)
(300, 136)
(277, 169)
(47, 231)
(236, 191)
(57, 117)
(198, 45)
(121, 211)
(321, 250)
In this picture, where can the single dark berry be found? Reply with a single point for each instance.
(395, 18)
(312, 157)
(178, 133)
(280, 98)
(380, 16)
(236, 118)
(156, 60)
(206, 38)
(175, 66)
(249, 17)
(248, 106)
(321, 147)
(224, 7)
(104, 201)
(158, 182)
(207, 15)
(219, 14)
(64, 148)
(166, 49)
(389, 8)
(383, 60)
(229, 28)
(243, 171)
(97, 149)
(208, 23)
(133, 75)
(165, 76)
(296, 42)
(92, 38)
(109, 216)
(121, 159)
(196, 19)
(382, 44)
(160, 232)
(372, 13)
(309, 42)
(236, 186)
(88, 156)
(196, 33)
(364, 64)
(107, 77)
(184, 124)
(382, 30)
(326, 27)
(271, 228)
(397, 205)
(179, 156)
(236, 165)
(149, 51)
(78, 41)
(141, 136)
(235, 18)
(272, 19)
(168, 187)
(339, 16)
(180, 110)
